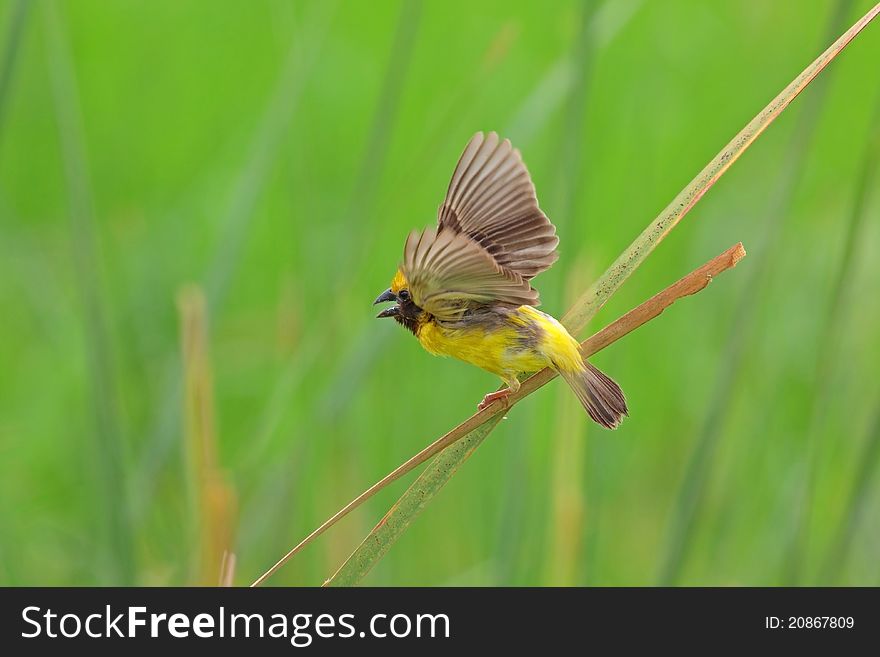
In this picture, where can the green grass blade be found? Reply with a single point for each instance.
(363, 195)
(694, 282)
(833, 322)
(566, 517)
(264, 151)
(18, 18)
(683, 522)
(569, 504)
(555, 87)
(571, 160)
(409, 506)
(363, 348)
(117, 563)
(438, 473)
(363, 200)
(447, 462)
(855, 508)
(593, 299)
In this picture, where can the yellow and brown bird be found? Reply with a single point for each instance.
(464, 287)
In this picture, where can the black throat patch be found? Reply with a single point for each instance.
(408, 322)
(410, 316)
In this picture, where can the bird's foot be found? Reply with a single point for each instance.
(494, 396)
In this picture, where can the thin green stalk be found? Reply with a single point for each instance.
(555, 86)
(855, 508)
(117, 564)
(363, 195)
(682, 525)
(574, 92)
(356, 249)
(568, 449)
(565, 524)
(358, 359)
(592, 300)
(410, 505)
(690, 284)
(19, 13)
(285, 388)
(630, 259)
(570, 148)
(357, 246)
(444, 466)
(265, 149)
(455, 107)
(832, 322)
(564, 81)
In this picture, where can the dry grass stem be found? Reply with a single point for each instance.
(214, 500)
(690, 284)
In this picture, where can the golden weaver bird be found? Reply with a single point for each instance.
(464, 287)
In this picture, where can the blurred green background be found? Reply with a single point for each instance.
(268, 158)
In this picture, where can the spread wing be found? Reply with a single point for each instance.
(446, 270)
(492, 200)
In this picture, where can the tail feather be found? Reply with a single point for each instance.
(599, 394)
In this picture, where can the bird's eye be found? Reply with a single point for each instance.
(403, 295)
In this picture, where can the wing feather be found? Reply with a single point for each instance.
(491, 199)
(447, 271)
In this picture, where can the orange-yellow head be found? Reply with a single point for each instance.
(398, 283)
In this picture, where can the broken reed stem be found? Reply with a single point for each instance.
(227, 569)
(690, 284)
(213, 499)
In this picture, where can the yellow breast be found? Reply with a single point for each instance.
(526, 340)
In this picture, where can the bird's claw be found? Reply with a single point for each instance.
(492, 397)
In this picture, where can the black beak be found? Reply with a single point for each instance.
(387, 295)
(389, 312)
